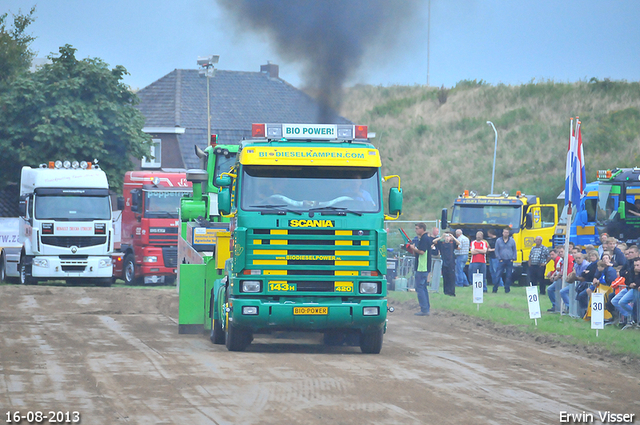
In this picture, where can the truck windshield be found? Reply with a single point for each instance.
(72, 208)
(163, 203)
(487, 214)
(304, 188)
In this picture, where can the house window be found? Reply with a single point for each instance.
(156, 153)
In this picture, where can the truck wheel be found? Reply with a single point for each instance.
(217, 333)
(237, 339)
(104, 282)
(25, 274)
(371, 342)
(129, 270)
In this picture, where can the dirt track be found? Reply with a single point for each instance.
(114, 355)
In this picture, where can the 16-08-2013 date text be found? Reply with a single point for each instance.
(42, 417)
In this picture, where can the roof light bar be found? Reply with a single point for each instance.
(310, 131)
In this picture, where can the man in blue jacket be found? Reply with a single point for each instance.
(505, 253)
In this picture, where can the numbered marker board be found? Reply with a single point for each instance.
(478, 282)
(597, 311)
(534, 302)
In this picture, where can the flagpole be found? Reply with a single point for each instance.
(568, 223)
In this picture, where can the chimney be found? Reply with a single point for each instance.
(271, 69)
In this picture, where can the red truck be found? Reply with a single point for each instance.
(150, 224)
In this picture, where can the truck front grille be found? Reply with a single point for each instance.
(314, 260)
(163, 235)
(314, 286)
(170, 255)
(73, 269)
(69, 241)
(71, 264)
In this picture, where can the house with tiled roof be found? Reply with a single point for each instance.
(175, 108)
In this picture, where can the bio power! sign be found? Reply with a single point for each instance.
(311, 131)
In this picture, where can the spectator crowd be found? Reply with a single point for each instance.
(613, 269)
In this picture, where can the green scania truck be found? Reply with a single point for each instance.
(291, 238)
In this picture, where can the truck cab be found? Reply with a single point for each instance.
(522, 214)
(307, 230)
(65, 224)
(149, 226)
(608, 206)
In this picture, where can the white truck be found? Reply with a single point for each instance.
(65, 224)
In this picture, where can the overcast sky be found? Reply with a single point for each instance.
(509, 42)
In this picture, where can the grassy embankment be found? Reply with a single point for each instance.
(512, 310)
(439, 143)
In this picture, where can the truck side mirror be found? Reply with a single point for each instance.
(443, 219)
(136, 200)
(395, 201)
(23, 206)
(223, 181)
(120, 203)
(224, 200)
(528, 221)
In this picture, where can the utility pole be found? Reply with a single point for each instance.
(428, 39)
(495, 149)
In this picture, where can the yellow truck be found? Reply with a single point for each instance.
(523, 214)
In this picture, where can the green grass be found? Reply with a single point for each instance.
(511, 309)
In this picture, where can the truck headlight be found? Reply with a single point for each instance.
(40, 262)
(249, 310)
(150, 259)
(105, 262)
(371, 311)
(369, 287)
(250, 286)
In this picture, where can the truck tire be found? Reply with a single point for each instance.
(237, 339)
(25, 274)
(217, 333)
(129, 269)
(105, 282)
(371, 341)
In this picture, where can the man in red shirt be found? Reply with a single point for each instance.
(478, 249)
(556, 277)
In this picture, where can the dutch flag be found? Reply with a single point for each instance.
(575, 175)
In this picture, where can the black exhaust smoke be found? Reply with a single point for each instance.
(329, 37)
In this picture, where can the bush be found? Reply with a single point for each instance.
(443, 93)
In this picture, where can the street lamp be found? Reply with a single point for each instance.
(495, 149)
(206, 63)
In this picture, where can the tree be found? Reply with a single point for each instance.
(15, 55)
(71, 109)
